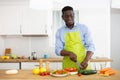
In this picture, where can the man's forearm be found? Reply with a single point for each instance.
(72, 56)
(88, 56)
(65, 53)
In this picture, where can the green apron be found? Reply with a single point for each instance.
(74, 44)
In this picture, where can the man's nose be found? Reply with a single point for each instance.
(69, 18)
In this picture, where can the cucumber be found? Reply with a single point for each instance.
(80, 71)
(87, 72)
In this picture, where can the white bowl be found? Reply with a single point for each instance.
(73, 73)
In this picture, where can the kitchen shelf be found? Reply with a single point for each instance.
(26, 35)
(27, 60)
(35, 35)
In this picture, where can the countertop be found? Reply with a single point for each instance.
(51, 60)
(28, 75)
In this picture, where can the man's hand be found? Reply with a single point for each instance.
(84, 64)
(73, 57)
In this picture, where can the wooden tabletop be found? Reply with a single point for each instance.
(27, 74)
(51, 60)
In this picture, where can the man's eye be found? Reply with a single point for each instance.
(68, 16)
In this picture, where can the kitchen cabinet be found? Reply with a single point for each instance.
(9, 20)
(59, 65)
(9, 65)
(53, 65)
(19, 19)
(115, 4)
(31, 65)
(33, 21)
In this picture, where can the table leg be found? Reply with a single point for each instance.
(20, 65)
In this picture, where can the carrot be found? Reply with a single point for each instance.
(107, 72)
(102, 71)
(110, 72)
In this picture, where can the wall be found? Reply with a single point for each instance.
(98, 21)
(115, 38)
(23, 46)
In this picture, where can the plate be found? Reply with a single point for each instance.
(58, 75)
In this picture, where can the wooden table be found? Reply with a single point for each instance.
(28, 75)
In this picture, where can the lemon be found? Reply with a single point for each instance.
(36, 71)
(5, 57)
(42, 70)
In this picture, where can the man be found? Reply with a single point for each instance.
(74, 42)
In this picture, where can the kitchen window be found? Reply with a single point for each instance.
(58, 22)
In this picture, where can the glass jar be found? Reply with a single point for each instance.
(34, 55)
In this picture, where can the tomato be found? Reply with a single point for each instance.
(65, 71)
(79, 74)
(42, 74)
(59, 71)
(48, 73)
(70, 69)
(45, 73)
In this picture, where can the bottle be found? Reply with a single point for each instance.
(47, 66)
(31, 56)
(34, 55)
(41, 63)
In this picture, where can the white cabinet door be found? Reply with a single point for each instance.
(55, 65)
(115, 4)
(59, 65)
(9, 65)
(9, 20)
(29, 65)
(33, 21)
